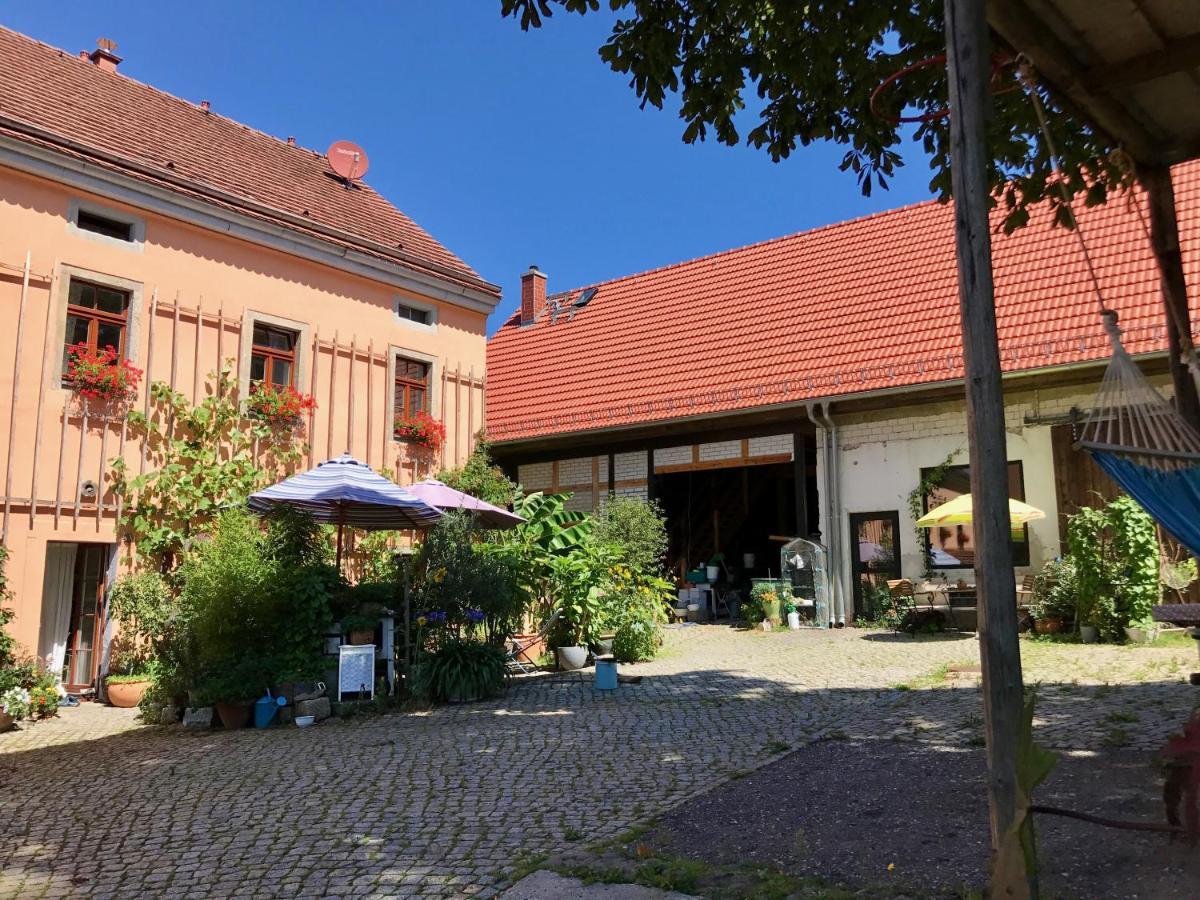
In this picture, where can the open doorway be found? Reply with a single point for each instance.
(74, 587)
(736, 511)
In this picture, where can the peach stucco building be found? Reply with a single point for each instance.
(131, 217)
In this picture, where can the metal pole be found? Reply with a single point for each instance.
(967, 56)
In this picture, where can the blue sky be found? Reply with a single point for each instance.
(511, 148)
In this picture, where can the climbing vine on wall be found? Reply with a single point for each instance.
(930, 481)
(200, 459)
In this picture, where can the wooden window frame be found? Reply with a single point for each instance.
(96, 317)
(409, 383)
(270, 354)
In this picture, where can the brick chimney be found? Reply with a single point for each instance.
(103, 57)
(533, 294)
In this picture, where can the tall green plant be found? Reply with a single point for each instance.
(202, 458)
(549, 531)
(480, 477)
(638, 528)
(1116, 560)
(8, 644)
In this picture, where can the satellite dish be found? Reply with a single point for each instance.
(347, 159)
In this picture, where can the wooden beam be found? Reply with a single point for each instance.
(731, 463)
(967, 55)
(16, 391)
(1177, 55)
(800, 471)
(1164, 241)
(1058, 64)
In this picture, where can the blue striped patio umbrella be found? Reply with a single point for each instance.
(343, 492)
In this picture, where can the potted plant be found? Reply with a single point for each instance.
(420, 429)
(793, 615)
(1055, 598)
(577, 581)
(766, 596)
(360, 627)
(279, 406)
(100, 375)
(125, 691)
(713, 569)
(14, 706)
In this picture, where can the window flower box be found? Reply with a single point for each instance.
(278, 406)
(100, 374)
(422, 430)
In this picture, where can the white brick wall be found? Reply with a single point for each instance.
(626, 467)
(771, 446)
(534, 476)
(720, 450)
(575, 471)
(672, 456)
(581, 501)
(637, 493)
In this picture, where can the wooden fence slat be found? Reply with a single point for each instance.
(312, 392)
(16, 387)
(332, 408)
(445, 366)
(350, 398)
(457, 408)
(83, 430)
(196, 351)
(37, 427)
(471, 411)
(62, 458)
(370, 393)
(149, 377)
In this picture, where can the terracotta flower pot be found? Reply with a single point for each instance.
(535, 647)
(234, 715)
(1049, 625)
(127, 694)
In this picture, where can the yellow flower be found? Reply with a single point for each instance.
(421, 621)
(891, 866)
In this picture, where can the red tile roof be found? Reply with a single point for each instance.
(861, 305)
(55, 99)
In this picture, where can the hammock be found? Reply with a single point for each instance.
(1144, 445)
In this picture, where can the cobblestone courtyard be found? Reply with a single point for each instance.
(451, 801)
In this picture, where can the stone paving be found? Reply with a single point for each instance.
(450, 802)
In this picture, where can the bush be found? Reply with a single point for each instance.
(1116, 557)
(143, 606)
(1056, 592)
(254, 606)
(461, 670)
(637, 528)
(480, 477)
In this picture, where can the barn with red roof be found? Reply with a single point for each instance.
(812, 381)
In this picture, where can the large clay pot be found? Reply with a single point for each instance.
(1049, 625)
(234, 715)
(6, 721)
(535, 647)
(572, 658)
(126, 694)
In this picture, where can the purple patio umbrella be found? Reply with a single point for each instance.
(444, 497)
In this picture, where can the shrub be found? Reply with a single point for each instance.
(480, 477)
(143, 605)
(1115, 551)
(636, 638)
(254, 605)
(461, 670)
(638, 528)
(1056, 592)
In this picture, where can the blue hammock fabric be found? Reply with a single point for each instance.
(1171, 497)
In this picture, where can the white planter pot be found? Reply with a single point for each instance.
(1089, 634)
(794, 621)
(572, 658)
(766, 625)
(747, 560)
(1138, 635)
(714, 572)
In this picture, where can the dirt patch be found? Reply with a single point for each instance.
(914, 816)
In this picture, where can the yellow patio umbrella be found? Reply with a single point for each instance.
(958, 512)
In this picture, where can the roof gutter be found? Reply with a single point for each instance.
(831, 504)
(474, 288)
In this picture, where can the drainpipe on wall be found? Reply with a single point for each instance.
(831, 506)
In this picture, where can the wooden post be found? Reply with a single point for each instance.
(332, 389)
(800, 473)
(149, 377)
(312, 392)
(37, 422)
(445, 367)
(969, 73)
(12, 411)
(1164, 240)
(370, 395)
(471, 411)
(351, 397)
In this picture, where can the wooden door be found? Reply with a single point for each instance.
(87, 615)
(874, 557)
(1078, 481)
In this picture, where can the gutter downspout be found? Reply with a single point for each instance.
(831, 504)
